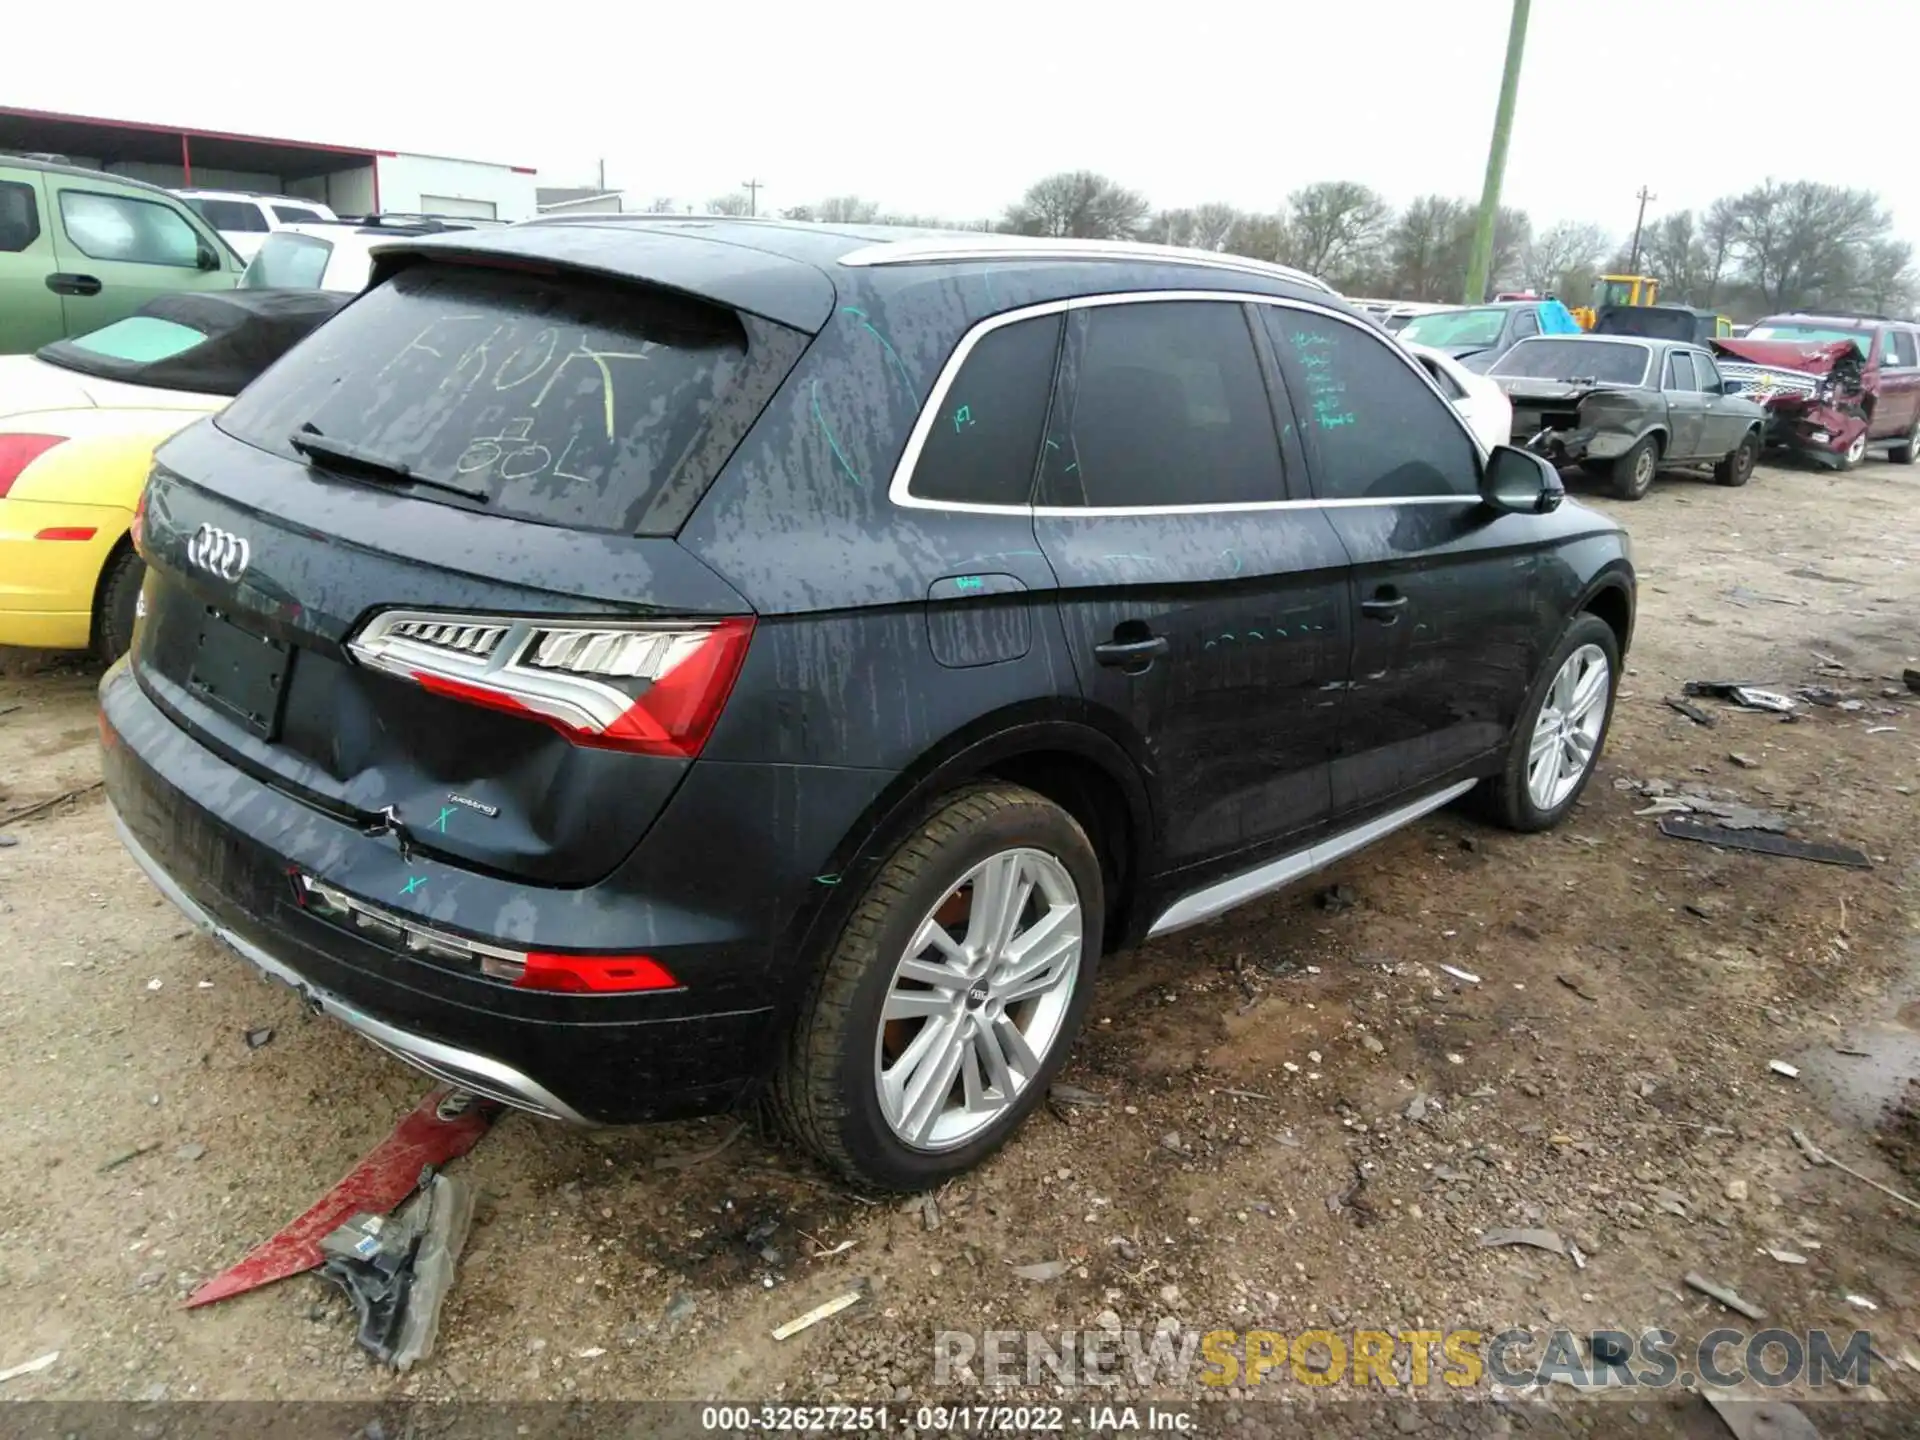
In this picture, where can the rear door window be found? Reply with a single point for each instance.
(981, 446)
(1161, 403)
(19, 216)
(1900, 349)
(553, 400)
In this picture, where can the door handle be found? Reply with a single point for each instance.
(73, 284)
(1385, 605)
(1131, 654)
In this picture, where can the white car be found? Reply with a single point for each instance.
(1480, 401)
(244, 221)
(332, 255)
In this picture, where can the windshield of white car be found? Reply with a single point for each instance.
(1456, 327)
(1802, 333)
(1605, 361)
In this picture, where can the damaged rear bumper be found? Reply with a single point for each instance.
(1572, 447)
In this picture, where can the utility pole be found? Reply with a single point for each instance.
(752, 187)
(603, 177)
(1482, 260)
(1633, 263)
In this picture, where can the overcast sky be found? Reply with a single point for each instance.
(954, 109)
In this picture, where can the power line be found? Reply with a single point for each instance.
(752, 187)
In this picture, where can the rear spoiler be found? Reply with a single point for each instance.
(786, 291)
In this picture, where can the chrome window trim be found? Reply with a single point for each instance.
(899, 488)
(933, 250)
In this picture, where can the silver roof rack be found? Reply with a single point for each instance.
(990, 246)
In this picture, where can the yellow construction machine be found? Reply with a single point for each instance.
(1617, 290)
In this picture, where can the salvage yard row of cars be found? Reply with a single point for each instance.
(507, 674)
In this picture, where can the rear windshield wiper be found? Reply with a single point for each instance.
(311, 444)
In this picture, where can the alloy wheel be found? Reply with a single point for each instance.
(1857, 451)
(1567, 733)
(979, 999)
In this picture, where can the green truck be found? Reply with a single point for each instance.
(80, 249)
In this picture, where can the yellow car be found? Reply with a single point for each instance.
(79, 421)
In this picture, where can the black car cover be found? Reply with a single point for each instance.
(245, 330)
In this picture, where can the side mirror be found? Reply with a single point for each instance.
(206, 257)
(1520, 482)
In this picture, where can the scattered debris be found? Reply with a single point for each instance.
(1041, 1271)
(1244, 1094)
(1540, 1239)
(7, 842)
(1691, 711)
(49, 804)
(1745, 762)
(1336, 898)
(929, 1213)
(1666, 805)
(1671, 1201)
(1911, 678)
(1754, 698)
(1416, 1110)
(1696, 1281)
(1460, 974)
(1736, 1190)
(840, 1249)
(1781, 1067)
(1749, 1419)
(125, 1155)
(1609, 1349)
(155, 983)
(193, 1150)
(1740, 594)
(1881, 729)
(1573, 1253)
(1816, 1156)
(1728, 838)
(1062, 1093)
(29, 1367)
(698, 1157)
(821, 1312)
(257, 1038)
(444, 1125)
(1786, 1257)
(397, 1271)
(592, 1352)
(1718, 689)
(1573, 983)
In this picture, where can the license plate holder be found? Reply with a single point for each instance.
(242, 674)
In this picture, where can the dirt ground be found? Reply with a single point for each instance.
(1305, 1121)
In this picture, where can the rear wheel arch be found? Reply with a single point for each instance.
(1064, 756)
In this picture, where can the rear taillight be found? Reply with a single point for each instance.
(656, 689)
(19, 451)
(523, 969)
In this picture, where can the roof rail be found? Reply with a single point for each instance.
(1824, 314)
(991, 246)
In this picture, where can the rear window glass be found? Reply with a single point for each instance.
(287, 262)
(141, 338)
(540, 399)
(1543, 359)
(1803, 333)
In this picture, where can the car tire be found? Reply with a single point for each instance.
(1512, 797)
(1905, 452)
(1632, 474)
(118, 604)
(867, 1016)
(1736, 469)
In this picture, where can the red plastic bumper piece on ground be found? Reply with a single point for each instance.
(437, 1131)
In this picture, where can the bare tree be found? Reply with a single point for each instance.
(1259, 237)
(731, 203)
(1080, 204)
(798, 212)
(1803, 241)
(846, 210)
(1887, 282)
(1425, 257)
(1717, 234)
(1334, 227)
(1564, 251)
(1677, 254)
(660, 205)
(1512, 234)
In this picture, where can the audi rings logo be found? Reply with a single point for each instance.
(219, 552)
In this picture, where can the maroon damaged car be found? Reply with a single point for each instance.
(1833, 384)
